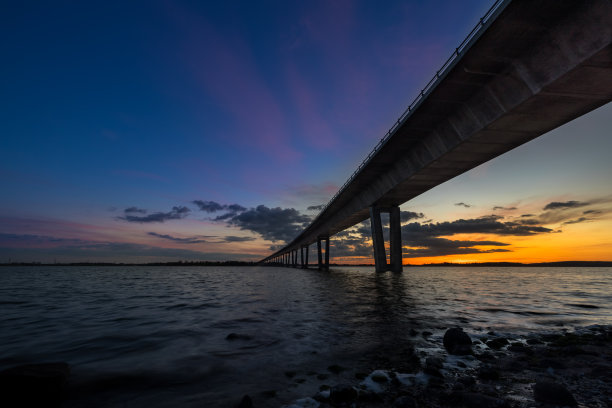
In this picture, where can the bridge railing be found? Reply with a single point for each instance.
(478, 29)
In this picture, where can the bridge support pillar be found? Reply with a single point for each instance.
(395, 241)
(295, 258)
(323, 266)
(305, 257)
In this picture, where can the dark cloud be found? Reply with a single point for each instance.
(273, 224)
(212, 206)
(556, 205)
(232, 238)
(134, 210)
(577, 221)
(496, 208)
(463, 205)
(406, 216)
(490, 224)
(208, 206)
(188, 240)
(592, 212)
(316, 207)
(528, 215)
(175, 214)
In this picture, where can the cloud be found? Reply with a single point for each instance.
(316, 207)
(577, 221)
(406, 216)
(232, 238)
(134, 210)
(496, 208)
(176, 213)
(555, 205)
(208, 206)
(463, 205)
(489, 224)
(212, 206)
(273, 224)
(188, 240)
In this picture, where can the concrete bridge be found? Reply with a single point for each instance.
(528, 67)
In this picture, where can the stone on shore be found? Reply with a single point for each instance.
(33, 385)
(553, 393)
(246, 402)
(457, 342)
(343, 394)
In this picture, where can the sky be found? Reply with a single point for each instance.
(150, 131)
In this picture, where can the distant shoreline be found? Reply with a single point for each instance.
(589, 264)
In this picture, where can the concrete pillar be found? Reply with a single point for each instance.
(305, 265)
(395, 239)
(378, 243)
(302, 257)
(320, 256)
(327, 253)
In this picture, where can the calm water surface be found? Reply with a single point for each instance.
(158, 336)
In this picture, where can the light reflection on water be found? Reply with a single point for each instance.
(162, 330)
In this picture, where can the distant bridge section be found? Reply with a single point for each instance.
(528, 67)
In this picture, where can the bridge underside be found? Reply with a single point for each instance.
(539, 65)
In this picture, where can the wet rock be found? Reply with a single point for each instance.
(485, 356)
(534, 341)
(553, 393)
(457, 342)
(497, 343)
(34, 385)
(467, 381)
(335, 368)
(475, 400)
(342, 394)
(488, 373)
(246, 402)
(405, 401)
(518, 348)
(433, 365)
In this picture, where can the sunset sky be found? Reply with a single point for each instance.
(178, 130)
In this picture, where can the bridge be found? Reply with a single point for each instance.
(529, 66)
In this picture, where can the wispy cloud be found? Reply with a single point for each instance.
(187, 240)
(463, 205)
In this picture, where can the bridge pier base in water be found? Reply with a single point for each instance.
(323, 266)
(395, 239)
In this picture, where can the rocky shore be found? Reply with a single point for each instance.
(448, 369)
(488, 370)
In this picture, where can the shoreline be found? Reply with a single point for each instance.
(549, 369)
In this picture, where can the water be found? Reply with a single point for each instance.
(158, 336)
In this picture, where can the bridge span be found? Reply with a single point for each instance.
(528, 67)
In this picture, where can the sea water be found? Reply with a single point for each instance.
(139, 336)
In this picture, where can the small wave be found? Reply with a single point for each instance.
(13, 302)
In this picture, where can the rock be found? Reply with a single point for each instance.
(457, 342)
(467, 381)
(341, 394)
(474, 400)
(553, 393)
(246, 402)
(534, 341)
(433, 365)
(485, 356)
(497, 343)
(34, 385)
(426, 333)
(336, 369)
(488, 373)
(404, 402)
(413, 332)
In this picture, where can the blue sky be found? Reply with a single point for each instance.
(109, 106)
